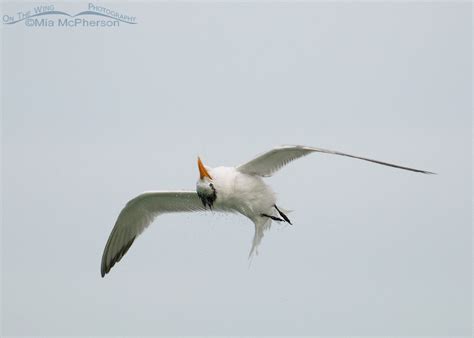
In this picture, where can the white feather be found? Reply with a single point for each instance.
(239, 189)
(268, 163)
(138, 214)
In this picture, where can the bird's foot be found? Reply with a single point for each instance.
(283, 215)
(278, 219)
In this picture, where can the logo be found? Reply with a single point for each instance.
(50, 16)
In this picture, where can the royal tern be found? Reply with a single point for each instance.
(238, 189)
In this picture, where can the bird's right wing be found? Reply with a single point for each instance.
(268, 163)
(138, 214)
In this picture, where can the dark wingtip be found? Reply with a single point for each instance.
(429, 173)
(105, 269)
(102, 270)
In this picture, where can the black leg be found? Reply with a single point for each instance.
(283, 215)
(273, 217)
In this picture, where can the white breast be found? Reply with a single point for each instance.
(243, 193)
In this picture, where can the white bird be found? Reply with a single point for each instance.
(238, 189)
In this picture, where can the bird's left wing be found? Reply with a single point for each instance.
(268, 163)
(138, 214)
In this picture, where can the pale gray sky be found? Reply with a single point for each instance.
(93, 116)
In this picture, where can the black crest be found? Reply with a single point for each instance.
(208, 199)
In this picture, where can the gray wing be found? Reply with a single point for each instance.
(138, 214)
(268, 163)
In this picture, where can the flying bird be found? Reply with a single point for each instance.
(239, 189)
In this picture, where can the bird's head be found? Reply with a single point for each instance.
(205, 187)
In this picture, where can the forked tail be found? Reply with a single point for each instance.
(264, 223)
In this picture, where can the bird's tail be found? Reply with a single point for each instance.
(262, 225)
(260, 228)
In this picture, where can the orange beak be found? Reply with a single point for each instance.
(202, 170)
